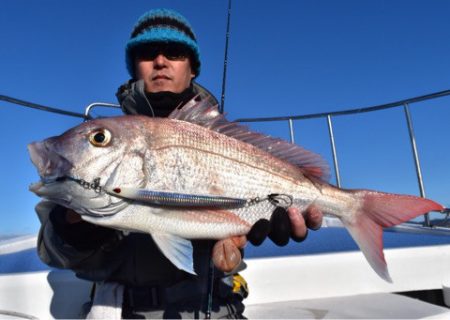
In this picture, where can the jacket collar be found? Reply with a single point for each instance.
(132, 98)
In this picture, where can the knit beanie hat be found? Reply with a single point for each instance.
(162, 25)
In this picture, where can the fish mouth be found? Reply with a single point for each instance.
(58, 183)
(45, 182)
(52, 167)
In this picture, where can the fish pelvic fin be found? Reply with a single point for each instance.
(178, 250)
(204, 114)
(377, 211)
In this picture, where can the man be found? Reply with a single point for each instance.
(133, 277)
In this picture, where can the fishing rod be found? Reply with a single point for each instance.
(225, 61)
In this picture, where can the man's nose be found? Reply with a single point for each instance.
(160, 60)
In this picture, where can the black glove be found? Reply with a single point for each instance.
(278, 229)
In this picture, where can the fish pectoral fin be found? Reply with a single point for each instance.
(178, 250)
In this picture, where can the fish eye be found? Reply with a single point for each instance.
(100, 138)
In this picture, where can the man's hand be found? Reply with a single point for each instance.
(72, 217)
(282, 226)
(312, 219)
(226, 254)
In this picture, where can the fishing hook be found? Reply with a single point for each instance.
(277, 199)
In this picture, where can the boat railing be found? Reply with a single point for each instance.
(427, 225)
(89, 108)
(441, 227)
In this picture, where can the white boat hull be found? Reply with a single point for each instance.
(333, 285)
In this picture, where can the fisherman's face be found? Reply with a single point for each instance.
(164, 67)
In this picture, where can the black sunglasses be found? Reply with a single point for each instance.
(171, 51)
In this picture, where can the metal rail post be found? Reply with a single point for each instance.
(333, 150)
(291, 130)
(416, 158)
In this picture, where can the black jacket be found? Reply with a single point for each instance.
(101, 254)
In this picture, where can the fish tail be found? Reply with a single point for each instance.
(376, 211)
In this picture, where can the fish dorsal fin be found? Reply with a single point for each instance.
(206, 115)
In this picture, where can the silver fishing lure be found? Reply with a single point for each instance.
(164, 198)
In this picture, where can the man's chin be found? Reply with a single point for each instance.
(160, 85)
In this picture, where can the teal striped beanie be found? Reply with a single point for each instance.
(162, 25)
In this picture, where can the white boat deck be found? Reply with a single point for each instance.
(364, 306)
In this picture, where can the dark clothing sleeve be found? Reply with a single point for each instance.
(93, 252)
(97, 253)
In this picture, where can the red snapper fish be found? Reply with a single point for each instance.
(195, 175)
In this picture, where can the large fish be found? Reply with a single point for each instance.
(108, 170)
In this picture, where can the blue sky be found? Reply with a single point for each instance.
(285, 57)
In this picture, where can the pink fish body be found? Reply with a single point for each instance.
(197, 151)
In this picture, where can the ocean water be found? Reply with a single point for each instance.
(325, 240)
(328, 240)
